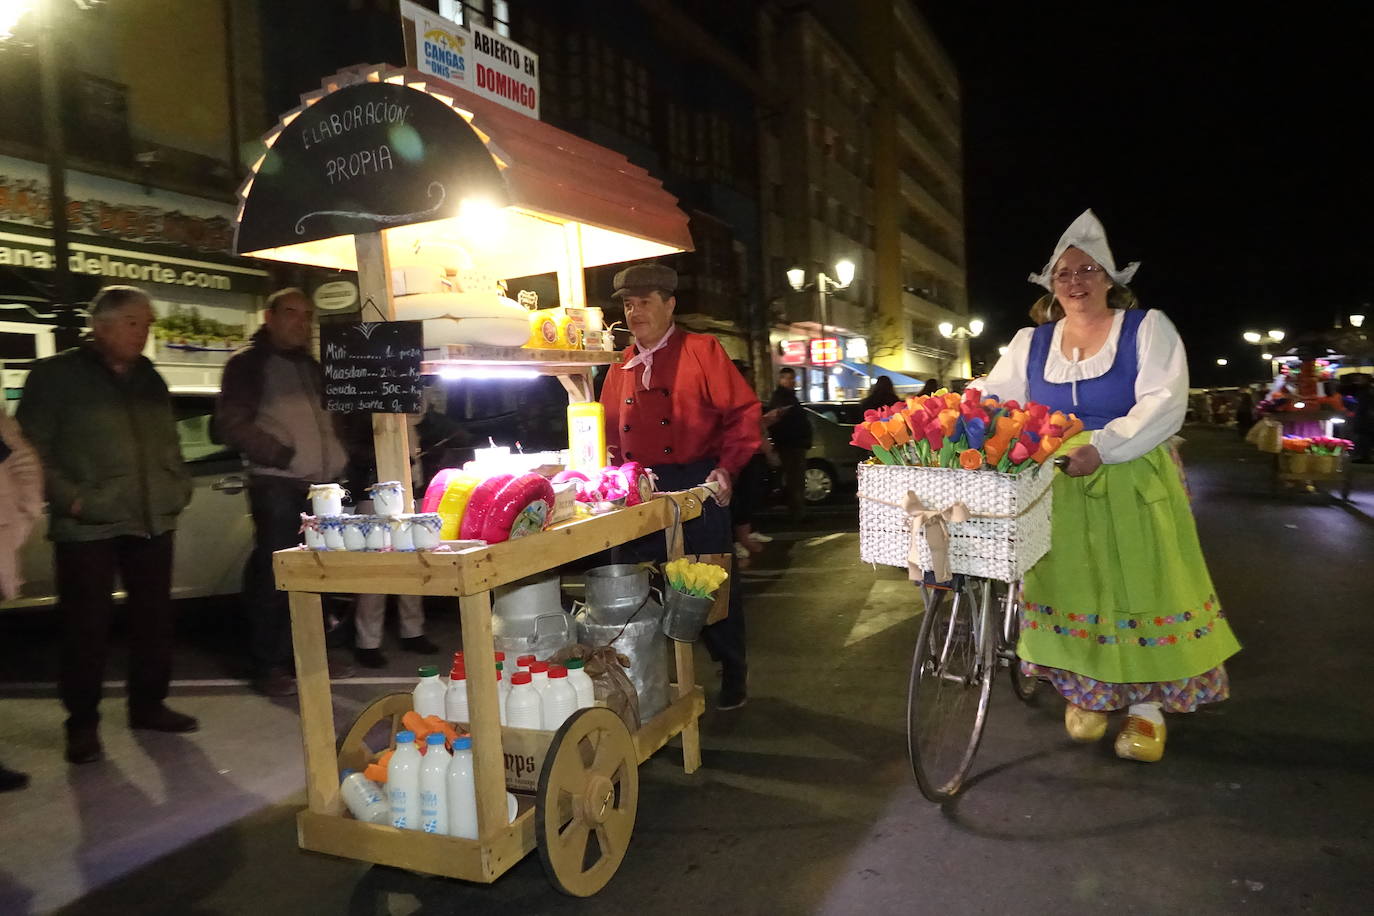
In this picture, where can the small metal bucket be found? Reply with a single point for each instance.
(684, 615)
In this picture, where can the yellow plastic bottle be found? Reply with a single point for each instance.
(586, 437)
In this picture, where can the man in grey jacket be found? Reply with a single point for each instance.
(101, 420)
(271, 409)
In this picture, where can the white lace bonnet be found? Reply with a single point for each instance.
(1088, 236)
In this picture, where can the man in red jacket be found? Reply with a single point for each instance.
(677, 405)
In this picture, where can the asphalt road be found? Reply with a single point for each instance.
(805, 803)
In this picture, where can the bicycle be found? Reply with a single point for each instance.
(969, 630)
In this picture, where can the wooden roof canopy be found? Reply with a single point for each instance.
(383, 148)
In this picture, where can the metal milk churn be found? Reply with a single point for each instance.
(620, 612)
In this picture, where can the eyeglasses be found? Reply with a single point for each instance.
(1085, 273)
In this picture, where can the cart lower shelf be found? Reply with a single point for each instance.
(487, 859)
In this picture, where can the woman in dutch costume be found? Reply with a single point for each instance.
(1121, 614)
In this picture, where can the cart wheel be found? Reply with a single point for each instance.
(588, 793)
(354, 753)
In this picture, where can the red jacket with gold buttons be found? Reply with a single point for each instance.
(698, 406)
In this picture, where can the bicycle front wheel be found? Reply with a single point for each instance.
(951, 680)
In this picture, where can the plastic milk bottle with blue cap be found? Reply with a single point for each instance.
(403, 782)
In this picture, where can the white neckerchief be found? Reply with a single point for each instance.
(645, 358)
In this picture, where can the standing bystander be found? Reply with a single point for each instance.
(101, 420)
(791, 434)
(271, 408)
(21, 501)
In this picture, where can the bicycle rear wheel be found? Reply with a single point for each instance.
(951, 680)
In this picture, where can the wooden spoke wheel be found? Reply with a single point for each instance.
(355, 752)
(588, 793)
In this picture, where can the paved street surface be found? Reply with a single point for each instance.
(805, 803)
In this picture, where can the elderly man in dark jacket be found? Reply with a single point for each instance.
(101, 420)
(271, 408)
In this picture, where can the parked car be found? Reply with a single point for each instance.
(831, 461)
(214, 533)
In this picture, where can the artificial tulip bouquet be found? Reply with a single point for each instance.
(974, 433)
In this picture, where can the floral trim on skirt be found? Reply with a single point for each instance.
(1184, 695)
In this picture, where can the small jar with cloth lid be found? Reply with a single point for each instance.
(327, 499)
(388, 498)
(310, 527)
(376, 532)
(401, 532)
(354, 536)
(424, 530)
(331, 527)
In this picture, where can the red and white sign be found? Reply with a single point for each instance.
(792, 352)
(825, 351)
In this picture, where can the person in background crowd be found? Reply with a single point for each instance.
(1245, 411)
(271, 409)
(675, 405)
(751, 487)
(1143, 628)
(100, 418)
(791, 433)
(881, 395)
(931, 386)
(21, 502)
(369, 614)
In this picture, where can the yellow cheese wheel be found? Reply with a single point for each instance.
(455, 502)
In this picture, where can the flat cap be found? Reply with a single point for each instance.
(644, 277)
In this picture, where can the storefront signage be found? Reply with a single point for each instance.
(477, 59)
(115, 210)
(126, 265)
(792, 352)
(825, 351)
(373, 367)
(336, 295)
(366, 157)
(856, 349)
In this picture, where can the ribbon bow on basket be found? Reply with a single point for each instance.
(935, 524)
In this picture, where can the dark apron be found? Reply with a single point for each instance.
(711, 532)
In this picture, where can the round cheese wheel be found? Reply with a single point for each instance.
(473, 318)
(454, 503)
(435, 491)
(640, 484)
(523, 507)
(479, 504)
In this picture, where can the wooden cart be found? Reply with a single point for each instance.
(1339, 470)
(583, 810)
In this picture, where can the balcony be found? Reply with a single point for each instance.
(927, 257)
(923, 200)
(843, 317)
(935, 57)
(927, 153)
(923, 95)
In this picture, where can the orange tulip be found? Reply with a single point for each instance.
(970, 459)
(952, 400)
(1074, 428)
(948, 418)
(898, 429)
(879, 430)
(1048, 446)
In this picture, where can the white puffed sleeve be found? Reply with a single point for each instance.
(1161, 394)
(1007, 380)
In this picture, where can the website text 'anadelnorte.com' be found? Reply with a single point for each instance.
(105, 266)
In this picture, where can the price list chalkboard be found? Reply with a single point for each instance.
(373, 367)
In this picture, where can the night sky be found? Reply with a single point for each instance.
(1229, 154)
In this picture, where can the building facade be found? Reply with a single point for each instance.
(862, 160)
(151, 122)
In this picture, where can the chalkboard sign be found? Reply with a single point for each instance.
(363, 158)
(373, 367)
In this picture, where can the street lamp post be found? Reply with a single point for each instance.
(950, 332)
(824, 286)
(1266, 342)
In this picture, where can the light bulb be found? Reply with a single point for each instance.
(975, 327)
(1357, 321)
(1277, 335)
(796, 278)
(844, 273)
(1221, 361)
(946, 329)
(1253, 337)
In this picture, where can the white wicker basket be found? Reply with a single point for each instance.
(994, 548)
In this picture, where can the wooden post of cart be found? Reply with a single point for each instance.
(331, 192)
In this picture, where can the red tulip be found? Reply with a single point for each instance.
(862, 437)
